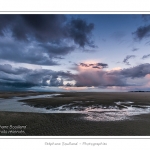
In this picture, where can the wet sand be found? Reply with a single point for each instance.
(74, 123)
(71, 125)
(21, 94)
(103, 98)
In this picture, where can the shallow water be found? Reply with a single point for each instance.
(14, 105)
(114, 113)
(117, 111)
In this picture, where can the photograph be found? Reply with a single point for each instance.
(74, 74)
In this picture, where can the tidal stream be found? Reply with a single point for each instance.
(117, 111)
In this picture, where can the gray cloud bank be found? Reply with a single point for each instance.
(112, 78)
(27, 78)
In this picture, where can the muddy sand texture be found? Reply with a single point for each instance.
(71, 125)
(87, 99)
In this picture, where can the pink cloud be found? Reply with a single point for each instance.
(97, 78)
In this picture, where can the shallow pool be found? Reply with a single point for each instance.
(117, 111)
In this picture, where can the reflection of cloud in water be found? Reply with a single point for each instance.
(114, 114)
(119, 111)
(92, 111)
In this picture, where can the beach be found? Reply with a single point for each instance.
(77, 124)
(70, 125)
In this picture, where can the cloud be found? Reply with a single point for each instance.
(135, 49)
(97, 78)
(54, 50)
(33, 53)
(134, 72)
(69, 85)
(127, 58)
(39, 27)
(122, 77)
(80, 31)
(95, 65)
(25, 53)
(25, 78)
(15, 85)
(7, 68)
(42, 39)
(142, 32)
(45, 28)
(146, 56)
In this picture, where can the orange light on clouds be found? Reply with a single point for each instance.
(148, 76)
(116, 68)
(73, 88)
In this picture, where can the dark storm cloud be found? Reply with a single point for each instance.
(26, 78)
(7, 68)
(96, 65)
(45, 28)
(127, 58)
(146, 56)
(142, 32)
(5, 22)
(41, 27)
(22, 77)
(33, 53)
(55, 82)
(80, 32)
(25, 53)
(47, 77)
(56, 50)
(134, 72)
(16, 84)
(69, 85)
(41, 39)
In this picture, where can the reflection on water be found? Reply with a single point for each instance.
(115, 114)
(13, 104)
(122, 111)
(117, 111)
(93, 112)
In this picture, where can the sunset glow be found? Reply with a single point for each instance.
(75, 52)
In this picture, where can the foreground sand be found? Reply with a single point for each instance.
(71, 124)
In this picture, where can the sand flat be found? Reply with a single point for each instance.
(75, 123)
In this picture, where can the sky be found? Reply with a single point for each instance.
(78, 52)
